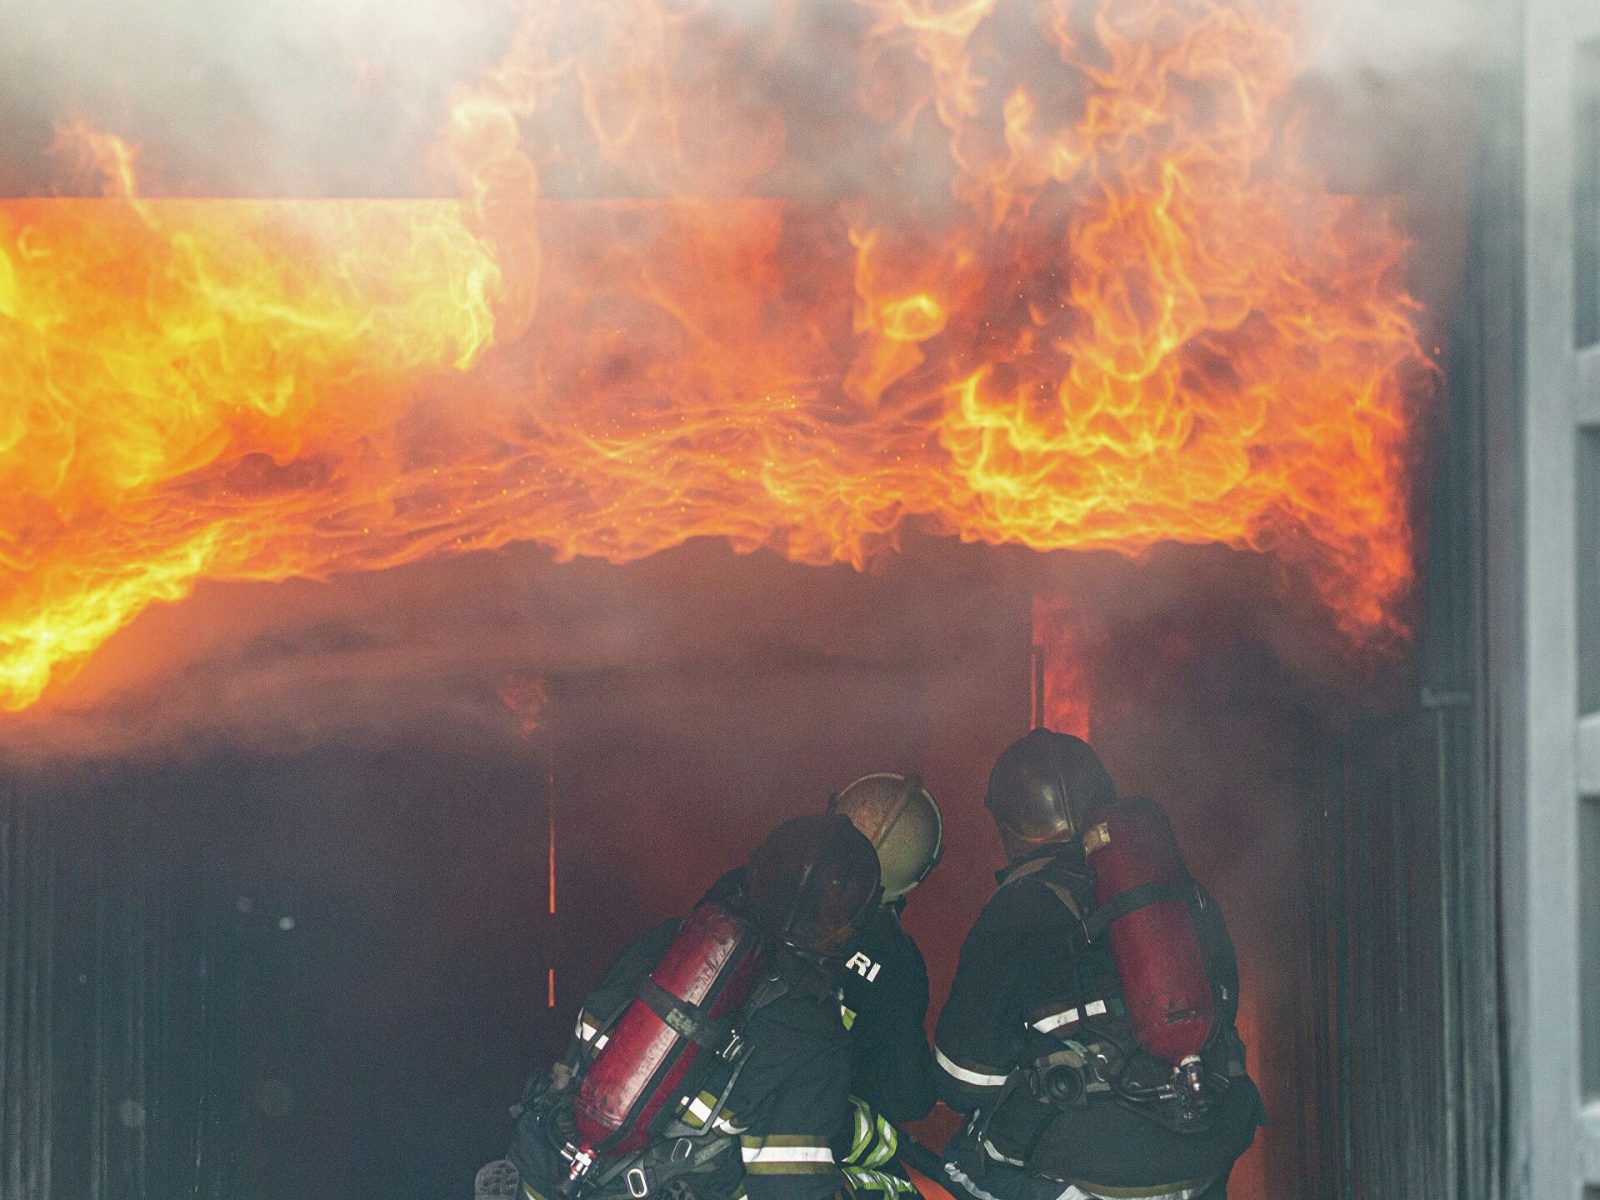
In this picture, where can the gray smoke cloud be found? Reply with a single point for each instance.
(246, 97)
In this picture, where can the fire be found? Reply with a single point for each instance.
(1062, 692)
(527, 700)
(199, 388)
(1128, 315)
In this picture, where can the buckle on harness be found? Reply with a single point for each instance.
(638, 1185)
(578, 1161)
(735, 1045)
(681, 1149)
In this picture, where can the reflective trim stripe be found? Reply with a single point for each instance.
(588, 1031)
(1095, 1008)
(786, 1154)
(968, 1184)
(879, 1181)
(863, 1130)
(873, 1140)
(1186, 1190)
(988, 1148)
(975, 1078)
(888, 1143)
(696, 1109)
(1056, 1020)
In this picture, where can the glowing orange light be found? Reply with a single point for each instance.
(1136, 319)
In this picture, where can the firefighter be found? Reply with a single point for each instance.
(1035, 1043)
(764, 1131)
(883, 982)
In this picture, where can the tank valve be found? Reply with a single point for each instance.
(1189, 1073)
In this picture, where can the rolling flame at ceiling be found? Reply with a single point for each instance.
(1125, 315)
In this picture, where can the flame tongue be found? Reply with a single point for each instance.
(1140, 321)
(192, 388)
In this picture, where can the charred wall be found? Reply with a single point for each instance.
(231, 978)
(1411, 1038)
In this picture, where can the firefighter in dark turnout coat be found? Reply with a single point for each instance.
(1034, 1042)
(881, 981)
(810, 886)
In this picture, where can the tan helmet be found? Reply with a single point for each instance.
(900, 819)
(1044, 788)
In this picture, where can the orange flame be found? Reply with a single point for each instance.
(1135, 318)
(527, 699)
(1061, 688)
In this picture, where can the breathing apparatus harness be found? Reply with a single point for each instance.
(694, 1134)
(1098, 1057)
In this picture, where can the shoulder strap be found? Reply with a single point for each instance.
(768, 990)
(1142, 896)
(1030, 870)
(689, 1020)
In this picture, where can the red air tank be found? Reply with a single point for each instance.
(1133, 853)
(706, 974)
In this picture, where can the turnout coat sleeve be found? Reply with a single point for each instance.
(883, 980)
(981, 1029)
(792, 1098)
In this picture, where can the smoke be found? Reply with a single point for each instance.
(446, 652)
(270, 97)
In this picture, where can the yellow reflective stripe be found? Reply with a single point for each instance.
(863, 1129)
(887, 1143)
(694, 1110)
(878, 1181)
(814, 1168)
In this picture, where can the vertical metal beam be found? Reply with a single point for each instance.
(1537, 684)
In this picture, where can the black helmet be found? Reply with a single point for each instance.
(1044, 788)
(814, 882)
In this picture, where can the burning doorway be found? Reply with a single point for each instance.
(1114, 314)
